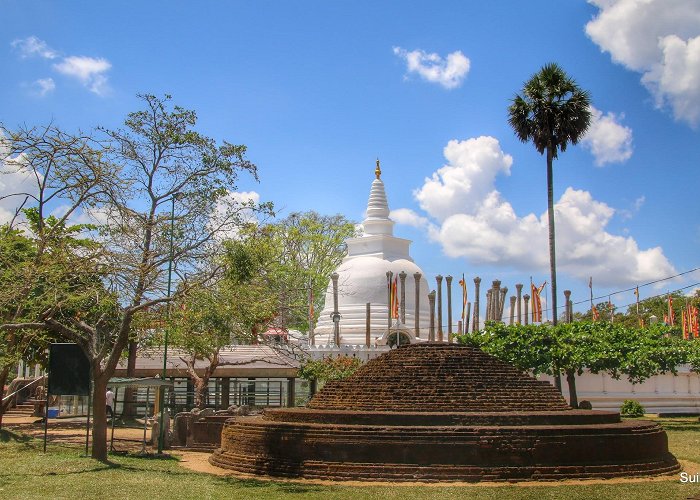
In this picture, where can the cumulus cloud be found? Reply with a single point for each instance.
(89, 71)
(448, 72)
(241, 202)
(607, 139)
(16, 182)
(470, 219)
(461, 185)
(32, 46)
(659, 39)
(44, 86)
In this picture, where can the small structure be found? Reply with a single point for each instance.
(442, 412)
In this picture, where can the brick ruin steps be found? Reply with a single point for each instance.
(441, 412)
(438, 378)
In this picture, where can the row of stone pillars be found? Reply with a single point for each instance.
(495, 304)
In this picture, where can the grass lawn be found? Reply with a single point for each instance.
(26, 472)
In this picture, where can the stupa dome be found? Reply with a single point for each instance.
(362, 279)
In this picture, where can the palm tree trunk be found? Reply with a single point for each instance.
(552, 247)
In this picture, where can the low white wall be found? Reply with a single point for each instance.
(666, 393)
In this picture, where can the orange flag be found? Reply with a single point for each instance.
(463, 284)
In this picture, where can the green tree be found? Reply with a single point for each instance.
(330, 368)
(156, 159)
(171, 170)
(637, 353)
(41, 262)
(551, 113)
(201, 325)
(311, 246)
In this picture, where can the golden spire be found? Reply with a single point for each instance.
(378, 170)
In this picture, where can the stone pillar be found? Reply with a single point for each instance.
(431, 301)
(519, 290)
(312, 338)
(416, 312)
(438, 279)
(502, 303)
(526, 298)
(466, 318)
(512, 309)
(368, 325)
(459, 326)
(291, 396)
(567, 306)
(448, 279)
(389, 277)
(495, 299)
(225, 392)
(475, 324)
(336, 313)
(489, 301)
(402, 279)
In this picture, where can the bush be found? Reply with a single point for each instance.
(631, 408)
(585, 405)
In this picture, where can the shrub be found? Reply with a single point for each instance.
(631, 408)
(585, 405)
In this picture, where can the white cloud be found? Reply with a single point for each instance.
(44, 86)
(607, 139)
(628, 213)
(469, 176)
(449, 72)
(408, 217)
(474, 221)
(32, 46)
(14, 180)
(661, 40)
(242, 202)
(89, 71)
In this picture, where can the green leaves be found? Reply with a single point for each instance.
(330, 368)
(552, 110)
(637, 353)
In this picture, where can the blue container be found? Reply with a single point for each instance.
(53, 413)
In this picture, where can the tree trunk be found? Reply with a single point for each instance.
(3, 378)
(571, 380)
(552, 246)
(130, 392)
(201, 388)
(99, 425)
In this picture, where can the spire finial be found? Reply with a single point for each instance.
(378, 170)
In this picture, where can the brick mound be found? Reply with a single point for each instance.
(438, 378)
(441, 412)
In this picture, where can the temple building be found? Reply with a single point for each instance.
(362, 279)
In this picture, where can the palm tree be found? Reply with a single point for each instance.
(552, 112)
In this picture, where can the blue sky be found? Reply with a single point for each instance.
(318, 90)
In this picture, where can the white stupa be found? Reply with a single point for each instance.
(362, 279)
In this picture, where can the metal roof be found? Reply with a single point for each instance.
(259, 361)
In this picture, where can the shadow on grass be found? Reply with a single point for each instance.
(7, 436)
(286, 487)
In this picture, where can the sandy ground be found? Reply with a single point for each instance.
(72, 431)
